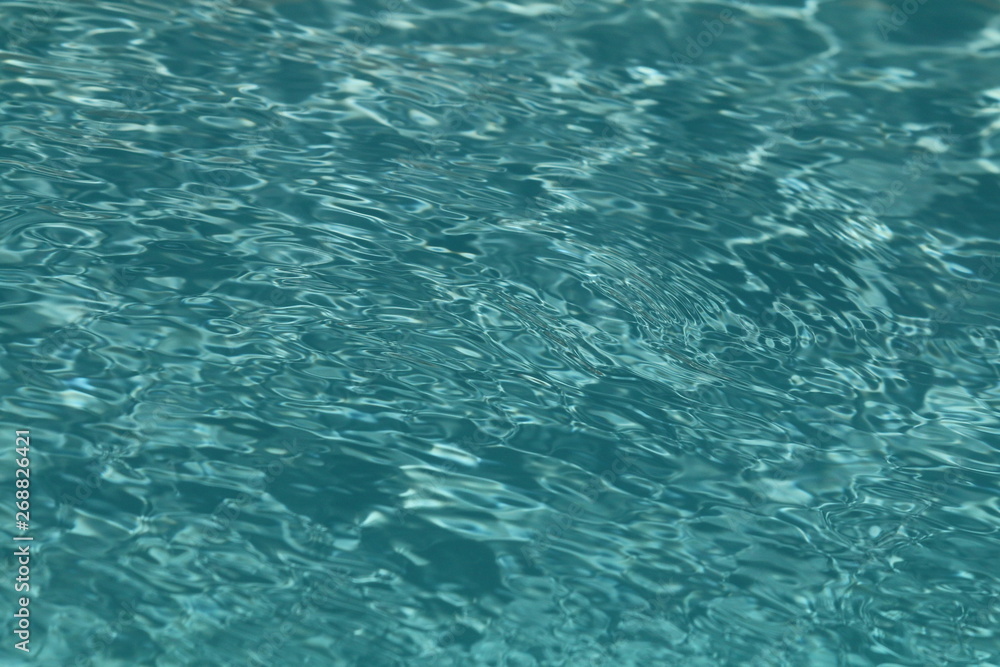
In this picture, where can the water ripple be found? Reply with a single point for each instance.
(520, 334)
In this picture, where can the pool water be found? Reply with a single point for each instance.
(451, 332)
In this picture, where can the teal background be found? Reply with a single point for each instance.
(486, 333)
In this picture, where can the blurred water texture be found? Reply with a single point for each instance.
(449, 332)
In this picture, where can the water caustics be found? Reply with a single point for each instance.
(494, 333)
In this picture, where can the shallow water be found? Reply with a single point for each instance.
(494, 333)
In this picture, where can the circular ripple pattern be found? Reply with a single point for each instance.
(493, 333)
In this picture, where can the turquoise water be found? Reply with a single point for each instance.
(447, 332)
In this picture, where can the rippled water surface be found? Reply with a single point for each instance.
(448, 332)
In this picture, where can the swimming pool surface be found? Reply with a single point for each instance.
(457, 333)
